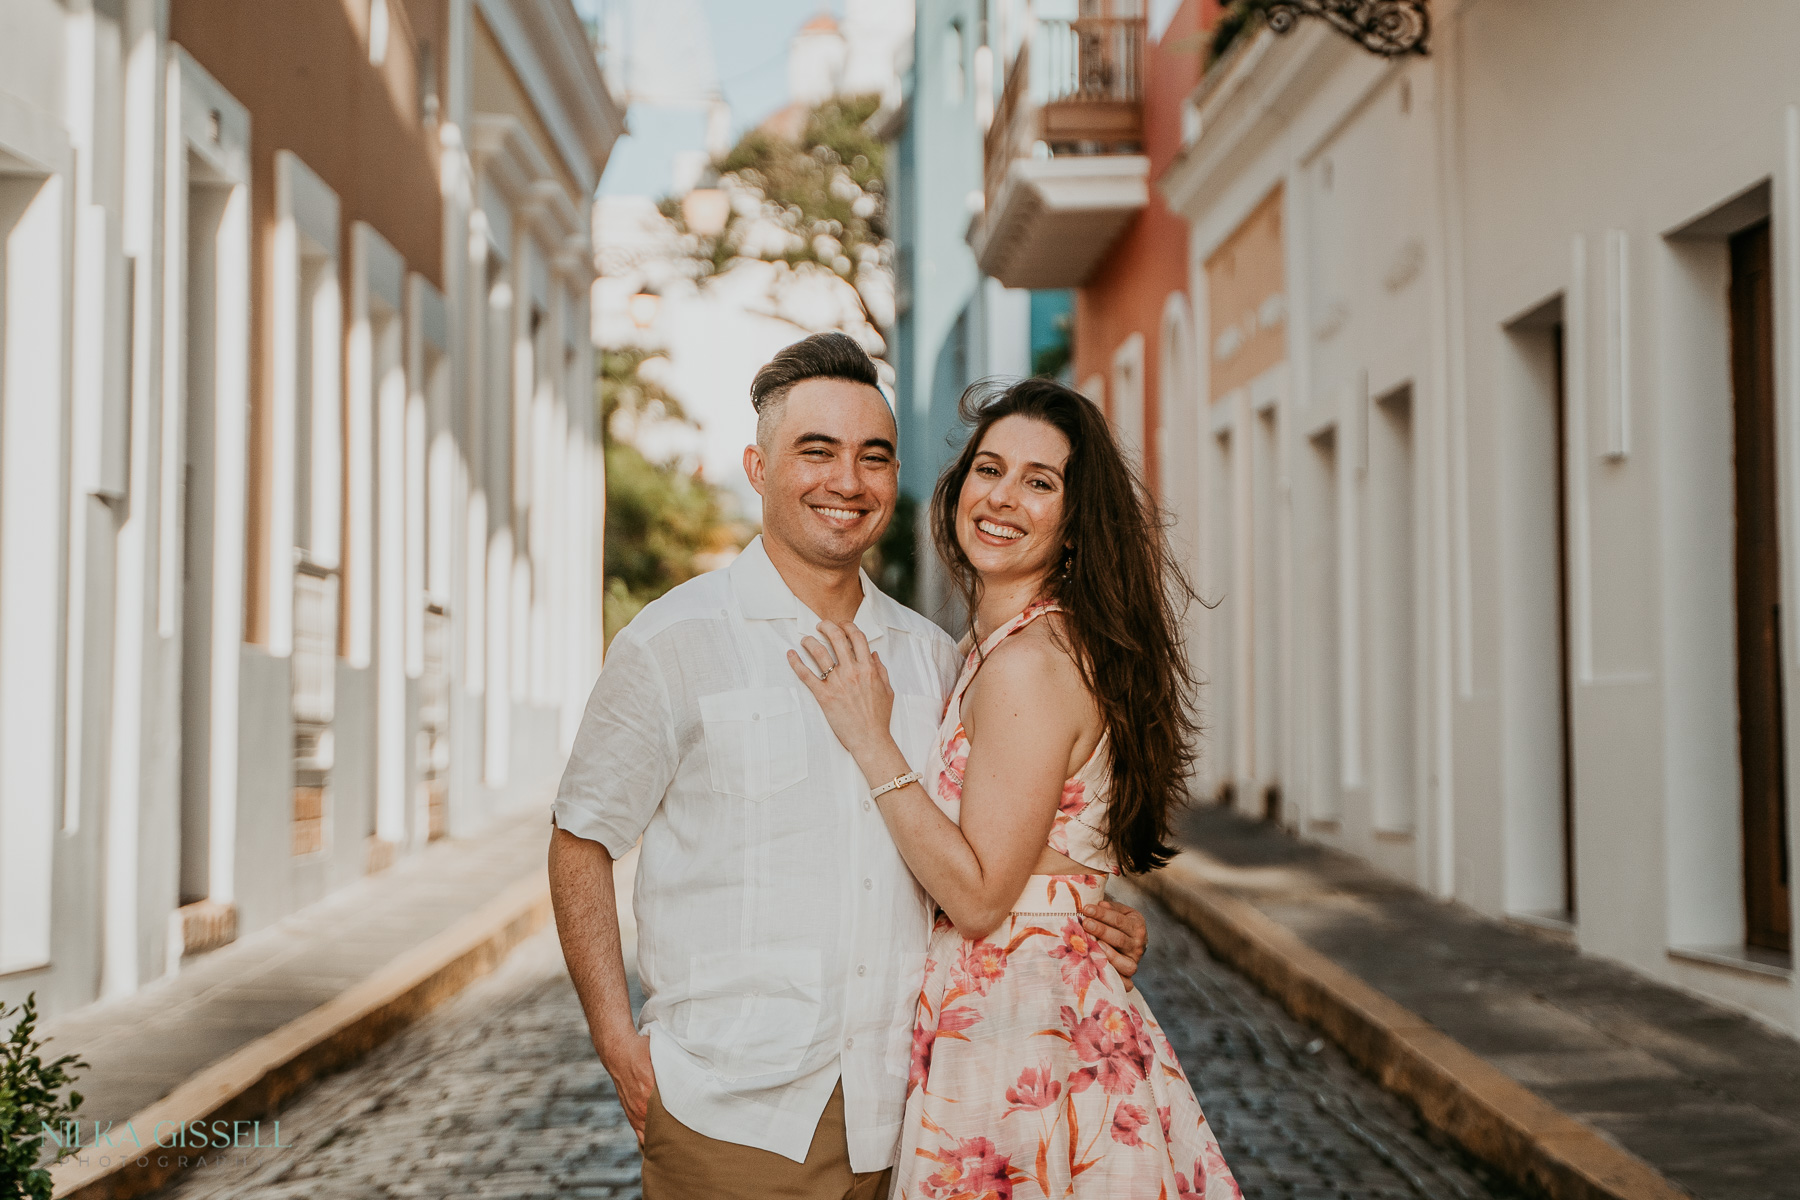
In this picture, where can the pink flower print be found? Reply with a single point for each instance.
(952, 1021)
(1208, 1168)
(1074, 799)
(1035, 1091)
(970, 1170)
(978, 966)
(1216, 1170)
(1163, 1113)
(1126, 1122)
(956, 762)
(923, 1039)
(1114, 1040)
(1082, 958)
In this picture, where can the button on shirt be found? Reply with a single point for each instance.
(781, 939)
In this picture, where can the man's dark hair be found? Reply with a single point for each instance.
(821, 356)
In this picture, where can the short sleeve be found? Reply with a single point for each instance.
(625, 751)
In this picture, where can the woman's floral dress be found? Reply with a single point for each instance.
(1034, 1071)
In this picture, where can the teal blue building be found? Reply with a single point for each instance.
(952, 325)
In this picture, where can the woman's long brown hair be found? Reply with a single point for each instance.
(1123, 597)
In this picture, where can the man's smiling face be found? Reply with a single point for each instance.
(829, 474)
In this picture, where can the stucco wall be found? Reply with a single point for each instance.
(495, 88)
(303, 70)
(1444, 217)
(1150, 260)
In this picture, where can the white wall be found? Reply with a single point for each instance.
(150, 750)
(1443, 216)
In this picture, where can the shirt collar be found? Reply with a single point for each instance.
(763, 595)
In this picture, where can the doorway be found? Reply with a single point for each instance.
(1566, 796)
(1393, 613)
(1538, 786)
(1761, 752)
(197, 517)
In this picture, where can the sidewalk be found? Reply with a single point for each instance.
(1708, 1097)
(358, 964)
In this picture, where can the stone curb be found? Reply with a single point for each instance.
(254, 1080)
(1456, 1090)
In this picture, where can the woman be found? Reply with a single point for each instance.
(1061, 754)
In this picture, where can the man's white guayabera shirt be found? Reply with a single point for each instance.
(781, 939)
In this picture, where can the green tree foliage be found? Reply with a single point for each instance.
(1236, 20)
(664, 525)
(821, 193)
(31, 1099)
(1052, 360)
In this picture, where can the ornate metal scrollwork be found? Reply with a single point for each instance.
(1386, 27)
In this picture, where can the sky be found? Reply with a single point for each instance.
(683, 49)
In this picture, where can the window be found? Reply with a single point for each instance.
(1127, 410)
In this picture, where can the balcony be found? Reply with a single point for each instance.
(1064, 171)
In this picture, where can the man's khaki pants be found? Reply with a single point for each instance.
(680, 1164)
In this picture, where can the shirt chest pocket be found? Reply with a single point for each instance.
(755, 741)
(915, 727)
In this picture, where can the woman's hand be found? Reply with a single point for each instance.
(851, 685)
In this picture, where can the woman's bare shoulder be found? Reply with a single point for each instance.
(1031, 671)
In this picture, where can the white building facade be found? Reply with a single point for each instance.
(300, 553)
(1495, 461)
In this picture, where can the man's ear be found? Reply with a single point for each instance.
(754, 466)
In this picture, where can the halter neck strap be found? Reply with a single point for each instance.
(978, 654)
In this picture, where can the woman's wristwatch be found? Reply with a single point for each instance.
(898, 781)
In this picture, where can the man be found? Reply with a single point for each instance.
(781, 939)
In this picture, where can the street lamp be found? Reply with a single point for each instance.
(643, 307)
(706, 210)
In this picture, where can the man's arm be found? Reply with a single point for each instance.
(1122, 934)
(587, 924)
(619, 769)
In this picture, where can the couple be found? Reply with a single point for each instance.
(795, 749)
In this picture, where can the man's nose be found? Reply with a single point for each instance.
(847, 476)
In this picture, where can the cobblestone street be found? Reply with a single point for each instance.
(499, 1095)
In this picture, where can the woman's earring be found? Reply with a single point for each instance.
(1068, 562)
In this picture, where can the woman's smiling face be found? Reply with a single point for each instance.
(1009, 516)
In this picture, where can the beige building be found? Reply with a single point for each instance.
(1495, 465)
(302, 490)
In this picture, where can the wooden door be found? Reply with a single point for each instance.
(1758, 563)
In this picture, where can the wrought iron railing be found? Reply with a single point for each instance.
(1091, 59)
(1077, 86)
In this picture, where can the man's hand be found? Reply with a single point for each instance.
(633, 1077)
(1121, 931)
